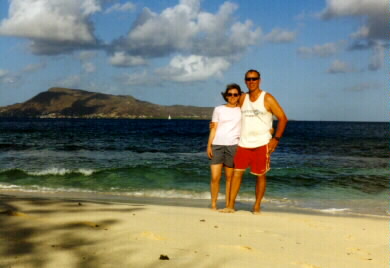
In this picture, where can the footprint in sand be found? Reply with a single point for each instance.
(315, 224)
(362, 254)
(238, 247)
(349, 237)
(269, 233)
(243, 247)
(151, 236)
(305, 265)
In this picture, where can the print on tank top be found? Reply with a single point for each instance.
(251, 111)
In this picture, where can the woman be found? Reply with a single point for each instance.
(223, 140)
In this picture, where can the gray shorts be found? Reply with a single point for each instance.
(223, 154)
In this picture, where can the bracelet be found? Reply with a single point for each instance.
(277, 138)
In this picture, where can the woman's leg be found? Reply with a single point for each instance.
(229, 175)
(216, 172)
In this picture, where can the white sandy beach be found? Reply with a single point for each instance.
(63, 233)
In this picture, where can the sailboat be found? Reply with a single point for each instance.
(169, 117)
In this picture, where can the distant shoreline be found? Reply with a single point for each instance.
(108, 118)
(175, 118)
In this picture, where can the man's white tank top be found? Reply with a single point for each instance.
(256, 123)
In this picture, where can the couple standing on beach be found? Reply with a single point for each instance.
(241, 137)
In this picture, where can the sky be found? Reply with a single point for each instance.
(321, 59)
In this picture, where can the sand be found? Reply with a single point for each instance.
(51, 232)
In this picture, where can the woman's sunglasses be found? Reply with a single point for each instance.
(232, 95)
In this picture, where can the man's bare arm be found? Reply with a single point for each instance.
(242, 98)
(273, 106)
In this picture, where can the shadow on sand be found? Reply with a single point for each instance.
(24, 243)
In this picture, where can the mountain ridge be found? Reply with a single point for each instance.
(58, 102)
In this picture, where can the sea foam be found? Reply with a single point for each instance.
(334, 210)
(61, 171)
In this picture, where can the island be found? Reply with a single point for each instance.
(76, 103)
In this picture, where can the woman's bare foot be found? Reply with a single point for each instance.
(227, 210)
(256, 211)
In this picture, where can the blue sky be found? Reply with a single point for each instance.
(322, 60)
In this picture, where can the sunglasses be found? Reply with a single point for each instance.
(252, 78)
(232, 95)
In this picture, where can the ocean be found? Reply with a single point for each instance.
(323, 167)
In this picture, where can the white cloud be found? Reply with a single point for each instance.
(159, 35)
(4, 76)
(303, 15)
(3, 73)
(361, 33)
(373, 16)
(34, 67)
(204, 44)
(143, 78)
(375, 13)
(193, 68)
(339, 66)
(365, 86)
(121, 59)
(85, 58)
(7, 78)
(72, 81)
(186, 29)
(86, 55)
(378, 57)
(180, 69)
(241, 37)
(89, 67)
(52, 26)
(278, 35)
(324, 50)
(120, 8)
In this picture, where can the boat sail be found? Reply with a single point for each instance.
(169, 117)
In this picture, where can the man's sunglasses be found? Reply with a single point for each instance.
(232, 95)
(251, 78)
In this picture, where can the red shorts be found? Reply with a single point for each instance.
(255, 158)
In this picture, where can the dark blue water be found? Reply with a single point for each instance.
(326, 166)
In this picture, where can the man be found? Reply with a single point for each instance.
(256, 142)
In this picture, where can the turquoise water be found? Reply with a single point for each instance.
(334, 167)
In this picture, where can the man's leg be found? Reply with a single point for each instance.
(261, 184)
(216, 172)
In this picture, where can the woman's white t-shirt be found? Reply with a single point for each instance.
(229, 125)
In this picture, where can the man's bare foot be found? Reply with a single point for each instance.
(227, 210)
(213, 208)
